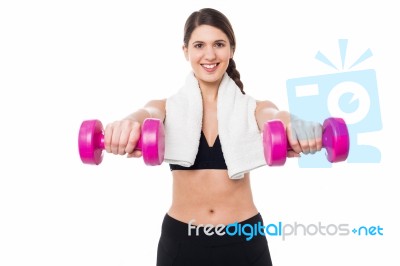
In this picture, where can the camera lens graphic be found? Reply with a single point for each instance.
(349, 100)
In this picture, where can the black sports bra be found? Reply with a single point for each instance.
(206, 158)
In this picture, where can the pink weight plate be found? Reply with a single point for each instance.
(335, 139)
(91, 142)
(153, 141)
(275, 143)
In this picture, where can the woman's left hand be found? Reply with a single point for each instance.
(303, 137)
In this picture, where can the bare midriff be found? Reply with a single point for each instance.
(210, 197)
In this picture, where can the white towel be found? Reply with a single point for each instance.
(240, 137)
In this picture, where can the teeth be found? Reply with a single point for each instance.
(210, 66)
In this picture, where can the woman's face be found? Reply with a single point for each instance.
(208, 52)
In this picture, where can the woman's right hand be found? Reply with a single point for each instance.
(121, 137)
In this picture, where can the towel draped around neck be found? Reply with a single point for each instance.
(240, 137)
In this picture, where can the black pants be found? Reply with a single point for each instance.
(177, 248)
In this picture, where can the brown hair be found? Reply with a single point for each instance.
(212, 17)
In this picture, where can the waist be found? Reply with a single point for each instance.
(239, 231)
(209, 196)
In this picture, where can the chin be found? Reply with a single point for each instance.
(211, 78)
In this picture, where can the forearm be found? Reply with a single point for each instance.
(153, 109)
(138, 116)
(284, 116)
(267, 111)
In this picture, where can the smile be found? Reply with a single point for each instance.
(210, 67)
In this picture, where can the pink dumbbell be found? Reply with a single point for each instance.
(151, 142)
(335, 139)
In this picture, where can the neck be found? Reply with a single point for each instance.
(209, 91)
(209, 94)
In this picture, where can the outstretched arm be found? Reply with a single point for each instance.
(121, 137)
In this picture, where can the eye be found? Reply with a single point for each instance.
(198, 45)
(219, 44)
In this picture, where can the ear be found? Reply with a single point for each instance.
(185, 51)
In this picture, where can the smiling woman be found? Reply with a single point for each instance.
(213, 140)
(208, 52)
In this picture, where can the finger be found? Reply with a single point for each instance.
(311, 142)
(292, 138)
(115, 139)
(107, 137)
(318, 136)
(123, 139)
(134, 136)
(303, 138)
(292, 154)
(135, 154)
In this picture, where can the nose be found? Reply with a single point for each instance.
(209, 53)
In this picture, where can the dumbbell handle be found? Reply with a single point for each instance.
(150, 142)
(91, 131)
(335, 140)
(336, 153)
(99, 142)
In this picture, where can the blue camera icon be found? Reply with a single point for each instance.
(352, 96)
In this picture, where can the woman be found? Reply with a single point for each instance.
(205, 193)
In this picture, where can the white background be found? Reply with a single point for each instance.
(62, 62)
